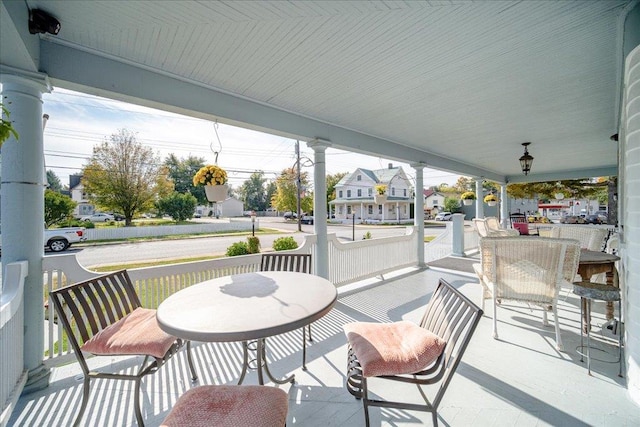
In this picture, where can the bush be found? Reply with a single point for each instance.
(76, 223)
(366, 235)
(284, 244)
(253, 245)
(238, 248)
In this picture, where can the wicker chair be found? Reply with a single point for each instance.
(528, 270)
(300, 263)
(590, 237)
(103, 316)
(486, 227)
(423, 354)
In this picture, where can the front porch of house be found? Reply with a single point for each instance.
(518, 380)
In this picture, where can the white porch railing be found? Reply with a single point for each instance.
(348, 262)
(12, 373)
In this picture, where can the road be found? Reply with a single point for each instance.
(118, 253)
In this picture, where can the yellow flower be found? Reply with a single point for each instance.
(210, 175)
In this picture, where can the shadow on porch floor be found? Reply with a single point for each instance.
(518, 380)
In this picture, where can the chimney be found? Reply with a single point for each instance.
(390, 165)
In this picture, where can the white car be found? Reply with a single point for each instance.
(98, 217)
(444, 216)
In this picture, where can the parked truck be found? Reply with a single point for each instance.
(59, 239)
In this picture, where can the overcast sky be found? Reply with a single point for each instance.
(78, 121)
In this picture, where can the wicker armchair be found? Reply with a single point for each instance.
(590, 237)
(528, 270)
(487, 227)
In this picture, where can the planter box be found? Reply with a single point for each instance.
(216, 193)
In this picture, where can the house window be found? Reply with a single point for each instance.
(359, 192)
(370, 209)
(370, 192)
(348, 194)
(340, 194)
(359, 178)
(405, 192)
(405, 209)
(393, 191)
(348, 210)
(340, 210)
(380, 209)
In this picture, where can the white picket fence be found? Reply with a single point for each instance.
(168, 230)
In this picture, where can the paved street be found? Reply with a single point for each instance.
(107, 254)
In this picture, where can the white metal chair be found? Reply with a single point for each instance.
(528, 270)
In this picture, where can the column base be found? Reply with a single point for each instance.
(38, 379)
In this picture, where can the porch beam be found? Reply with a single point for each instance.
(479, 198)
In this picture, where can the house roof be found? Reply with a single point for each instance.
(379, 176)
(455, 85)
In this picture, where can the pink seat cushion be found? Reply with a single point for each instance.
(136, 333)
(393, 348)
(229, 406)
(522, 227)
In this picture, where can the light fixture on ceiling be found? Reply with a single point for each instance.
(42, 22)
(526, 160)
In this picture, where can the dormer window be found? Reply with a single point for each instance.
(359, 178)
(393, 191)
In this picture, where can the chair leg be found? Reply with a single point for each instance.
(545, 319)
(194, 376)
(495, 318)
(304, 348)
(434, 417)
(559, 345)
(365, 399)
(85, 399)
(136, 402)
(309, 330)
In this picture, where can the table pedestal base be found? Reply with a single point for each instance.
(259, 362)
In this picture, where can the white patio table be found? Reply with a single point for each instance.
(247, 307)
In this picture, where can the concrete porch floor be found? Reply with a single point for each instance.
(518, 380)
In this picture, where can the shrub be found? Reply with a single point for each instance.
(253, 245)
(284, 244)
(238, 248)
(76, 223)
(366, 236)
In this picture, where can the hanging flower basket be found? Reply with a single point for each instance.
(467, 202)
(492, 203)
(491, 199)
(380, 198)
(214, 179)
(216, 193)
(467, 198)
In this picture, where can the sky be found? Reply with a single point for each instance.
(77, 122)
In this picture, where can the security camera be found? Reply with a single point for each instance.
(41, 22)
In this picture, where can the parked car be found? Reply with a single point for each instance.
(118, 216)
(306, 219)
(573, 219)
(595, 219)
(290, 215)
(60, 239)
(98, 217)
(444, 216)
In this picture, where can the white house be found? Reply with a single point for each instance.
(76, 191)
(355, 195)
(228, 208)
(433, 202)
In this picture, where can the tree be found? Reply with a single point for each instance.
(332, 181)
(464, 184)
(451, 204)
(270, 191)
(253, 192)
(123, 176)
(178, 206)
(181, 172)
(285, 197)
(53, 181)
(57, 207)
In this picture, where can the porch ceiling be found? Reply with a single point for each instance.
(458, 85)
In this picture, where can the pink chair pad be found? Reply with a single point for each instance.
(393, 348)
(229, 406)
(136, 333)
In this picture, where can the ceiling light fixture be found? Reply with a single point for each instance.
(526, 160)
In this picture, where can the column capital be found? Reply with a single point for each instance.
(318, 144)
(15, 76)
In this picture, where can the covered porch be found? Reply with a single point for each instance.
(518, 380)
(456, 86)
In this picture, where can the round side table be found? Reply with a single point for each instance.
(589, 291)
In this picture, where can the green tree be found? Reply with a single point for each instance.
(270, 191)
(178, 206)
(181, 172)
(253, 192)
(464, 184)
(123, 176)
(451, 204)
(57, 207)
(285, 197)
(53, 181)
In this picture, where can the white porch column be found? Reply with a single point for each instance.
(479, 199)
(22, 211)
(418, 216)
(457, 235)
(320, 206)
(629, 214)
(504, 206)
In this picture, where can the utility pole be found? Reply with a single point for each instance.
(298, 183)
